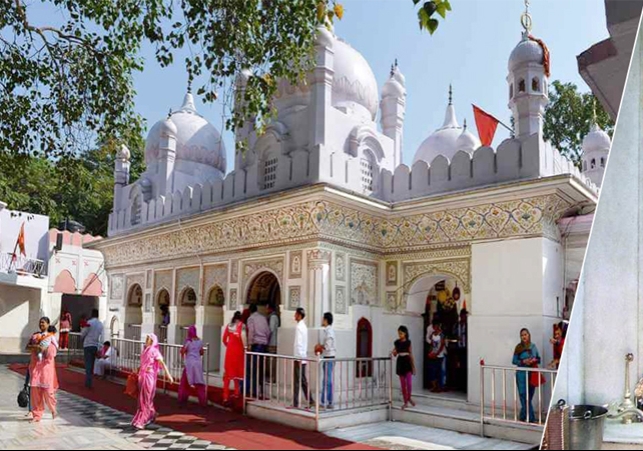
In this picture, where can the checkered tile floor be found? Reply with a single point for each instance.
(154, 437)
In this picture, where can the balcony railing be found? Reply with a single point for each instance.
(21, 265)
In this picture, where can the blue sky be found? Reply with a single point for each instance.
(470, 50)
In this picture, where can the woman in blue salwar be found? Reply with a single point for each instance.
(526, 355)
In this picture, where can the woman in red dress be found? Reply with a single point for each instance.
(234, 339)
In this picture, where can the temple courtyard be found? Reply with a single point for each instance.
(99, 419)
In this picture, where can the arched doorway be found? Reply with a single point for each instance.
(186, 312)
(162, 314)
(364, 348)
(440, 297)
(213, 323)
(264, 290)
(134, 312)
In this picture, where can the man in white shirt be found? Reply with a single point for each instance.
(329, 352)
(301, 351)
(92, 337)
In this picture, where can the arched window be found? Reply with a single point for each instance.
(216, 297)
(535, 84)
(270, 172)
(367, 171)
(135, 212)
(511, 91)
(189, 297)
(593, 164)
(522, 86)
(584, 165)
(603, 162)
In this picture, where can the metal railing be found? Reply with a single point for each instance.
(19, 264)
(129, 352)
(507, 400)
(161, 333)
(353, 383)
(75, 347)
(134, 332)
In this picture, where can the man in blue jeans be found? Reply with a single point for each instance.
(258, 340)
(329, 353)
(92, 337)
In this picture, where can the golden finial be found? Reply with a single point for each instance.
(525, 19)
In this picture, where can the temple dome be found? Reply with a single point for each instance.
(596, 140)
(354, 84)
(443, 141)
(526, 52)
(197, 140)
(467, 141)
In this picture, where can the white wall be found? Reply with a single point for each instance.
(515, 284)
(612, 313)
(20, 310)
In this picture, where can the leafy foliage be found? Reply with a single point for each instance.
(568, 118)
(67, 84)
(426, 14)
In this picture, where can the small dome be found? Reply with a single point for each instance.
(394, 86)
(526, 52)
(443, 141)
(123, 153)
(354, 84)
(196, 139)
(596, 140)
(467, 141)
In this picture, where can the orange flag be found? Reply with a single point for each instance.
(487, 125)
(21, 240)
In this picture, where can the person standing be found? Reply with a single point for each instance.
(192, 376)
(437, 351)
(405, 365)
(461, 332)
(65, 329)
(526, 355)
(151, 364)
(274, 323)
(258, 340)
(234, 339)
(301, 352)
(92, 337)
(42, 372)
(329, 352)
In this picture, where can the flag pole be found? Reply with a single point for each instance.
(14, 257)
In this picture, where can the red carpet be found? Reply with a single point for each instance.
(221, 427)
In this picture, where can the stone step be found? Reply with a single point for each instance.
(468, 422)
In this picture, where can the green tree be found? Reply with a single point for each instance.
(569, 116)
(426, 13)
(67, 84)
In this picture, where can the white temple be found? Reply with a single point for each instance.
(321, 213)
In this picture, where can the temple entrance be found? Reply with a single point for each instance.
(440, 298)
(364, 348)
(162, 314)
(186, 313)
(213, 323)
(264, 290)
(134, 313)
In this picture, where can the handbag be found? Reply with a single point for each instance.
(131, 387)
(23, 397)
(536, 379)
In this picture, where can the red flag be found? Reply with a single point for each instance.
(21, 240)
(487, 125)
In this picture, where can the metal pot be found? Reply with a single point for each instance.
(586, 427)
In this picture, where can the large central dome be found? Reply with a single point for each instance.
(197, 140)
(354, 84)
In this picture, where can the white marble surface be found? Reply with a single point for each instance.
(392, 435)
(617, 432)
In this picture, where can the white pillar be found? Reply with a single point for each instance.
(318, 285)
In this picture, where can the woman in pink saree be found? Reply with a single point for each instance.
(151, 364)
(43, 378)
(192, 376)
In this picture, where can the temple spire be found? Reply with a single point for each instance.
(450, 94)
(526, 20)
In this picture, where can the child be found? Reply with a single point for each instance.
(558, 341)
(43, 342)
